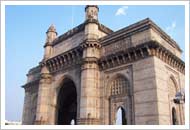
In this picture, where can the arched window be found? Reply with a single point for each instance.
(172, 90)
(119, 86)
(174, 117)
(121, 117)
(120, 95)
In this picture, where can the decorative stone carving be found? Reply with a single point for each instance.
(151, 48)
(116, 47)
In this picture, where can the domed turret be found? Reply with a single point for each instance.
(51, 34)
(91, 12)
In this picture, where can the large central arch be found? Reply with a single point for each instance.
(67, 103)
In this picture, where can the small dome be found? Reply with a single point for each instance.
(91, 6)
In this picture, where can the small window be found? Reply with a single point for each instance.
(119, 86)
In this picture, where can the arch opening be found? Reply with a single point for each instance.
(67, 103)
(120, 93)
(121, 117)
(174, 117)
(174, 111)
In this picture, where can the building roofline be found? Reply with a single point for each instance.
(80, 28)
(129, 30)
(164, 35)
(69, 33)
(35, 69)
(143, 24)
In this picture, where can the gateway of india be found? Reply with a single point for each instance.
(90, 72)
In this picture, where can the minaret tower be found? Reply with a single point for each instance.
(90, 74)
(51, 34)
(45, 80)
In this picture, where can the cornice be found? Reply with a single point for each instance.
(34, 70)
(69, 34)
(78, 29)
(64, 60)
(144, 50)
(138, 27)
(30, 84)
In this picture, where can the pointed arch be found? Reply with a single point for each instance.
(62, 80)
(120, 96)
(121, 116)
(174, 82)
(174, 109)
(66, 102)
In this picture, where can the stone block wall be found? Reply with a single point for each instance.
(145, 92)
(156, 36)
(68, 44)
(163, 73)
(30, 104)
(31, 96)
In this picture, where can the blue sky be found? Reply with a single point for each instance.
(25, 36)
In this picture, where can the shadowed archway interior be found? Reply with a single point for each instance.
(67, 103)
(174, 117)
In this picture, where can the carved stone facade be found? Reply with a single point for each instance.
(90, 72)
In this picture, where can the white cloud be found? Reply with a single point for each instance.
(121, 11)
(171, 27)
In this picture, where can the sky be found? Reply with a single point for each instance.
(26, 28)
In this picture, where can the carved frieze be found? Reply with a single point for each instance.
(151, 48)
(116, 46)
(65, 60)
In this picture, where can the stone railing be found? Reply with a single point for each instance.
(64, 60)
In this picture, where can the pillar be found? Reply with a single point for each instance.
(90, 73)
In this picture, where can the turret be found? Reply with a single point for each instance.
(91, 27)
(91, 12)
(51, 34)
(45, 80)
(90, 73)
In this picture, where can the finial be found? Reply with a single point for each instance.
(51, 34)
(91, 12)
(51, 29)
(91, 6)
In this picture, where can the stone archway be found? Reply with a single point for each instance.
(120, 96)
(67, 103)
(174, 109)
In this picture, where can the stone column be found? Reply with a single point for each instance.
(51, 35)
(90, 73)
(43, 97)
(25, 108)
(90, 95)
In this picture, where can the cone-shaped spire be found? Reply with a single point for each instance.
(51, 34)
(51, 29)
